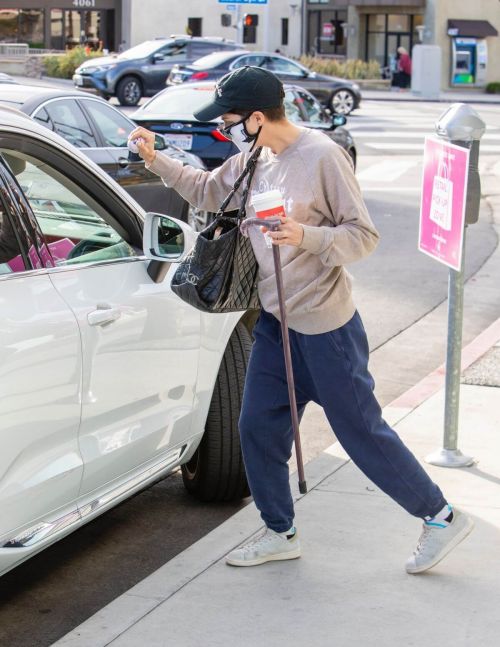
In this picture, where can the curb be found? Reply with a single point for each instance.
(113, 620)
(432, 383)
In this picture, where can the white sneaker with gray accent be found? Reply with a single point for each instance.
(267, 547)
(436, 542)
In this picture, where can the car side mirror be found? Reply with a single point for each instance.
(158, 58)
(338, 120)
(165, 240)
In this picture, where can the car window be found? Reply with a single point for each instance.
(313, 110)
(174, 51)
(212, 60)
(282, 66)
(292, 109)
(180, 101)
(66, 118)
(11, 259)
(114, 127)
(73, 229)
(197, 50)
(251, 59)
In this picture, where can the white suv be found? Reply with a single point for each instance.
(108, 381)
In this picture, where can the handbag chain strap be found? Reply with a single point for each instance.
(248, 170)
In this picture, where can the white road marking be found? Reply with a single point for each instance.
(402, 147)
(408, 135)
(386, 171)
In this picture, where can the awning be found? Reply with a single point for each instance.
(474, 28)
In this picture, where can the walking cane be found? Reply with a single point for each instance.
(273, 224)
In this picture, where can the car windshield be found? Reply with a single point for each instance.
(141, 51)
(211, 60)
(179, 102)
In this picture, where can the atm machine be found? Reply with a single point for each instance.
(469, 60)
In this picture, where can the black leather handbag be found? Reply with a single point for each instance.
(220, 273)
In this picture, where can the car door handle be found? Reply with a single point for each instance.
(103, 315)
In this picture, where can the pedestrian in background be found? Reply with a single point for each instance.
(404, 68)
(326, 227)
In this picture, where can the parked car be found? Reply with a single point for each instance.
(170, 113)
(108, 380)
(141, 71)
(6, 78)
(101, 131)
(338, 95)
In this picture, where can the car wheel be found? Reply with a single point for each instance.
(129, 91)
(216, 471)
(342, 102)
(198, 218)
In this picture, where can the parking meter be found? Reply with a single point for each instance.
(462, 126)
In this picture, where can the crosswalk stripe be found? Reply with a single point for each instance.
(402, 147)
(386, 171)
(406, 135)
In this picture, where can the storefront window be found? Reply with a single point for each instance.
(386, 32)
(56, 29)
(376, 22)
(326, 22)
(376, 48)
(22, 26)
(398, 23)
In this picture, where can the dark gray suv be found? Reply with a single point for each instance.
(142, 70)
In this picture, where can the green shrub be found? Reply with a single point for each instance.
(493, 88)
(348, 69)
(64, 65)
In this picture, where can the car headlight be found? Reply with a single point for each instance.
(355, 87)
(90, 69)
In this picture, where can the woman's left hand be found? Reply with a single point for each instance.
(289, 233)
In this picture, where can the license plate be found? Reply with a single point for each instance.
(77, 79)
(181, 141)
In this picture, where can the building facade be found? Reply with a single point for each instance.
(61, 24)
(365, 29)
(466, 32)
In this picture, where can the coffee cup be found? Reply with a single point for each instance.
(269, 203)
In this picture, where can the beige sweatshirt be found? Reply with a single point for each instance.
(320, 191)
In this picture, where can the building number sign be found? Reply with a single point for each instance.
(83, 3)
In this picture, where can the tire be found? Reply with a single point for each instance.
(342, 102)
(129, 91)
(216, 471)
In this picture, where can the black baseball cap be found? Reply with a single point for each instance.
(247, 88)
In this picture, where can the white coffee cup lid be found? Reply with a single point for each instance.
(273, 196)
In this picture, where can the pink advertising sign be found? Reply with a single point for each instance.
(442, 209)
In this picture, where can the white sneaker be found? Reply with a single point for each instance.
(268, 547)
(435, 543)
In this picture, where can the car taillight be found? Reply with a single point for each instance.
(198, 76)
(216, 134)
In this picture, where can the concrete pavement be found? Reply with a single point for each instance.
(349, 586)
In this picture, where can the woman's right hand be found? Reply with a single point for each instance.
(145, 141)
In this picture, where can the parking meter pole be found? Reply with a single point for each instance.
(461, 126)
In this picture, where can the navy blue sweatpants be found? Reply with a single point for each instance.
(332, 370)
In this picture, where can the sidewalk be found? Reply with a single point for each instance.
(349, 586)
(452, 96)
(449, 96)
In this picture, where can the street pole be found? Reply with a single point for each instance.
(462, 126)
(239, 25)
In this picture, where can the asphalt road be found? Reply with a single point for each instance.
(395, 288)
